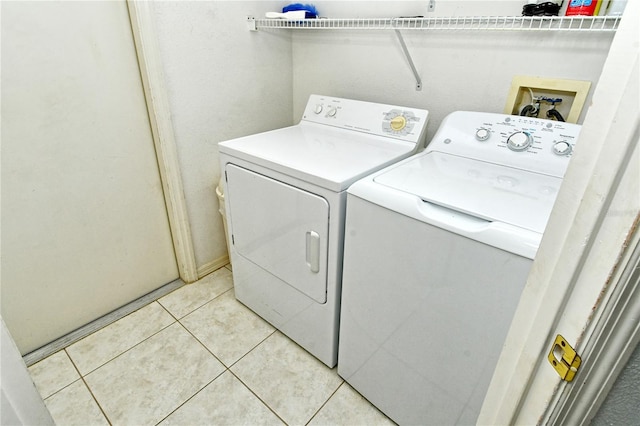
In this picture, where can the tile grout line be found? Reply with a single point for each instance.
(164, 308)
(175, 320)
(256, 395)
(191, 397)
(205, 346)
(228, 368)
(88, 387)
(104, 413)
(154, 296)
(100, 323)
(275, 330)
(325, 403)
(75, 366)
(106, 320)
(197, 307)
(134, 346)
(178, 320)
(128, 349)
(59, 390)
(260, 399)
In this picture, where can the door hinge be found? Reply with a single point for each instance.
(564, 359)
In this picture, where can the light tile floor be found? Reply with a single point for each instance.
(195, 357)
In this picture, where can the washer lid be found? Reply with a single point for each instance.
(322, 155)
(488, 191)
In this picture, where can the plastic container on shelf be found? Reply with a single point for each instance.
(616, 7)
(583, 7)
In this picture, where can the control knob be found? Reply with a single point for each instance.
(332, 112)
(398, 123)
(519, 141)
(318, 109)
(483, 134)
(562, 148)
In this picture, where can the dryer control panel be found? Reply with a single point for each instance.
(408, 124)
(533, 144)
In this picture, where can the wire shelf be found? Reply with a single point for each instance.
(491, 23)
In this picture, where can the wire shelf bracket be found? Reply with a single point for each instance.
(411, 64)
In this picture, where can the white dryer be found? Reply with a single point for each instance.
(437, 250)
(285, 195)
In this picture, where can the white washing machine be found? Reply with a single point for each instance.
(437, 251)
(285, 204)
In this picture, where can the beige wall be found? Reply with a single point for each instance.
(223, 82)
(460, 70)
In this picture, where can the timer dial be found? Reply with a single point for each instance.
(318, 109)
(519, 141)
(562, 148)
(398, 123)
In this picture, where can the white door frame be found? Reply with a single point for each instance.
(614, 338)
(587, 245)
(20, 402)
(144, 35)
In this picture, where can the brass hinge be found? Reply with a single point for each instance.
(564, 359)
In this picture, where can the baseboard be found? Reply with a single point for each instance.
(214, 265)
(78, 334)
(64, 341)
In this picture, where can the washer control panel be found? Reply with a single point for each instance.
(533, 144)
(393, 121)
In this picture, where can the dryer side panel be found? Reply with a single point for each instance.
(280, 228)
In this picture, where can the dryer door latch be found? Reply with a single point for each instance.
(564, 359)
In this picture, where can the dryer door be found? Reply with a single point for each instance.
(280, 228)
